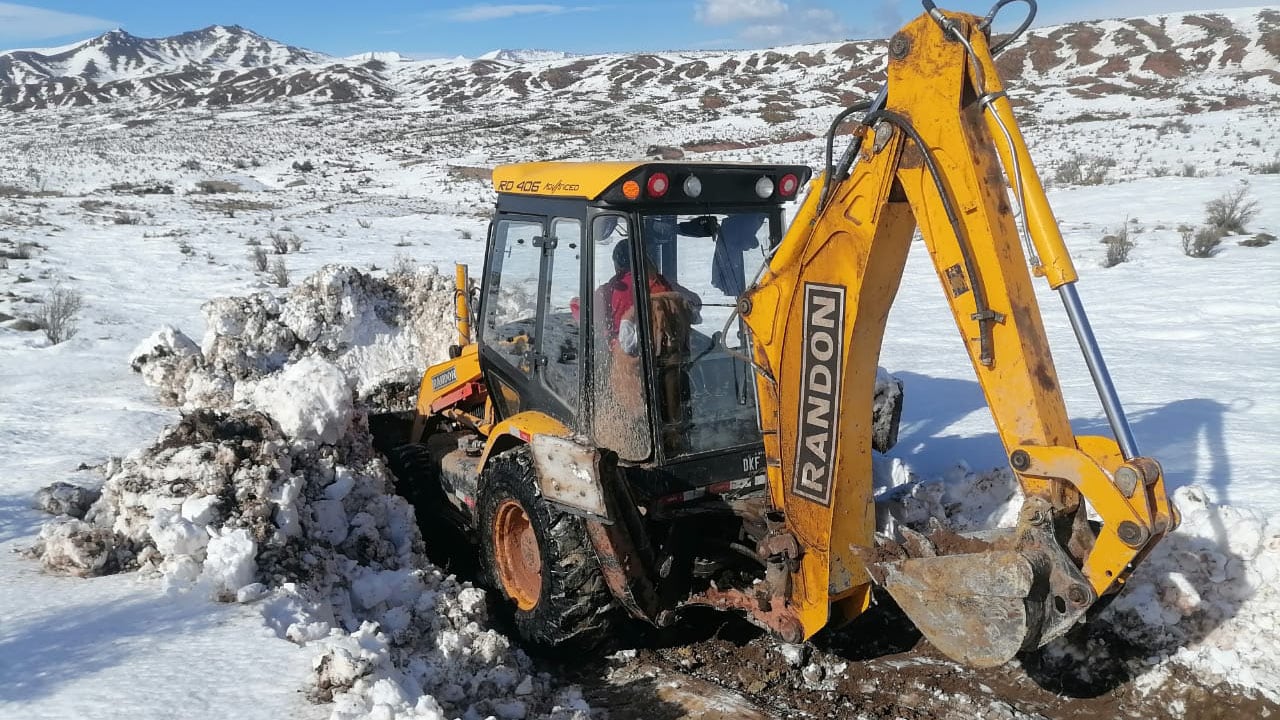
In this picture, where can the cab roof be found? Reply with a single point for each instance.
(592, 180)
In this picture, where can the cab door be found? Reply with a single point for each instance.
(529, 335)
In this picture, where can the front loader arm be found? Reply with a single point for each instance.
(936, 155)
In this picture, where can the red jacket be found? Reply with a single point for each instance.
(622, 296)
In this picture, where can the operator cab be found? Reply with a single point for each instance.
(610, 303)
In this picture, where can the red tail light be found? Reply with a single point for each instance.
(658, 185)
(788, 185)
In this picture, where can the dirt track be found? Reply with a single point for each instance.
(878, 668)
(715, 666)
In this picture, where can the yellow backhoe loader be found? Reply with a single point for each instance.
(639, 422)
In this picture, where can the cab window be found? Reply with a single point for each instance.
(619, 410)
(561, 339)
(704, 384)
(510, 323)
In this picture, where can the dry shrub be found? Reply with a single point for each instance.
(1228, 213)
(1259, 240)
(59, 314)
(1078, 169)
(280, 273)
(1118, 246)
(1202, 243)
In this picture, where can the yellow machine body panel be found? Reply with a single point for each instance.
(560, 179)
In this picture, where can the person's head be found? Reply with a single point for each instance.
(622, 256)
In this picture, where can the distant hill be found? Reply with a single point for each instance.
(1177, 62)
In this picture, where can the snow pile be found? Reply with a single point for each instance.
(962, 499)
(273, 494)
(375, 330)
(1208, 596)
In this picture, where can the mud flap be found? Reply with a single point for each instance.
(993, 599)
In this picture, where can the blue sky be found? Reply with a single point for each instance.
(444, 28)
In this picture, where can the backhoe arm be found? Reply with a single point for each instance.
(936, 154)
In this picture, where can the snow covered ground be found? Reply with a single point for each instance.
(1192, 345)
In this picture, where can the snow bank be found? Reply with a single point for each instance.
(376, 330)
(268, 490)
(1208, 596)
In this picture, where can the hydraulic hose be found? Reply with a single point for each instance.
(982, 311)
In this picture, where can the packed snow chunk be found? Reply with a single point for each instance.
(251, 593)
(168, 341)
(165, 359)
(173, 534)
(200, 510)
(75, 548)
(244, 338)
(231, 562)
(310, 399)
(294, 613)
(369, 588)
(339, 668)
(62, 498)
(794, 654)
(388, 693)
(285, 498)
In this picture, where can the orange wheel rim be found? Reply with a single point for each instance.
(515, 549)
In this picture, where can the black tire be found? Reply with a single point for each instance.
(414, 473)
(440, 524)
(573, 609)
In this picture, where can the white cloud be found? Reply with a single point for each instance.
(723, 12)
(807, 26)
(23, 22)
(479, 13)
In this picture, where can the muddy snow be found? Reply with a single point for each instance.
(268, 491)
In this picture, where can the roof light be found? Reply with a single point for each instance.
(764, 188)
(788, 185)
(692, 186)
(658, 184)
(631, 189)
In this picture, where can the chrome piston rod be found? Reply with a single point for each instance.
(1098, 370)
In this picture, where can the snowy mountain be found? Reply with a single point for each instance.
(117, 55)
(388, 56)
(522, 56)
(1186, 61)
(216, 66)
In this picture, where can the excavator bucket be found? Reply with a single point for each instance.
(981, 600)
(972, 607)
